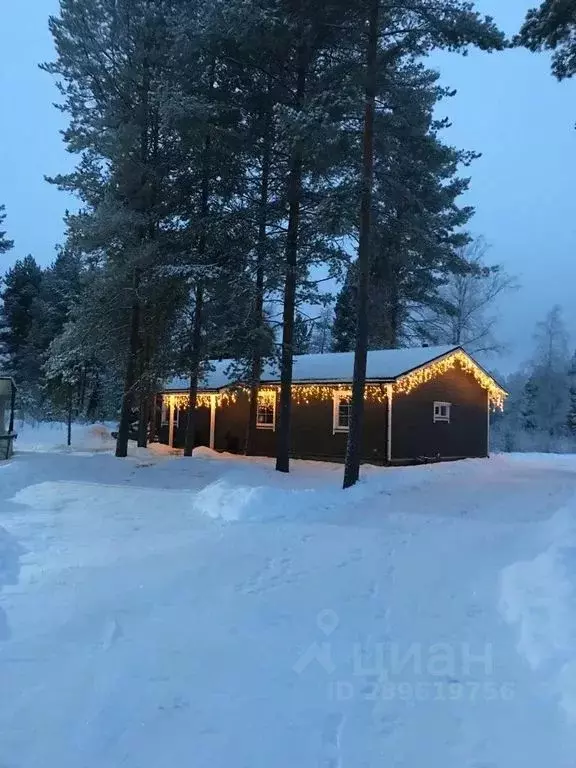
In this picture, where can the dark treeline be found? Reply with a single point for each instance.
(233, 155)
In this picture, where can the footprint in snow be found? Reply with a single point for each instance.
(273, 574)
(112, 633)
(330, 755)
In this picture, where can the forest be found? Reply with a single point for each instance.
(258, 179)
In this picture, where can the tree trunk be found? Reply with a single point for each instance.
(12, 411)
(395, 305)
(196, 356)
(291, 258)
(82, 392)
(143, 413)
(354, 446)
(143, 419)
(153, 411)
(130, 373)
(256, 362)
(196, 359)
(69, 419)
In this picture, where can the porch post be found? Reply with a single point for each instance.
(171, 422)
(389, 391)
(212, 421)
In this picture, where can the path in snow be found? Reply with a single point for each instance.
(214, 614)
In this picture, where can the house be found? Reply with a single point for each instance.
(7, 402)
(421, 403)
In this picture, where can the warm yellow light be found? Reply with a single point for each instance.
(407, 383)
(304, 394)
(203, 400)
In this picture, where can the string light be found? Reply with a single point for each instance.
(304, 394)
(411, 381)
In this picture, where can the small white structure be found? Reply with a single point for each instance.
(7, 402)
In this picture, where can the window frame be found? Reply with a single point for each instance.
(440, 418)
(268, 402)
(339, 395)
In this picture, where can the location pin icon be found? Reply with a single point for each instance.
(327, 621)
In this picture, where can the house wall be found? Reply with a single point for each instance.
(202, 428)
(312, 433)
(414, 433)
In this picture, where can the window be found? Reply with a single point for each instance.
(342, 401)
(442, 412)
(266, 412)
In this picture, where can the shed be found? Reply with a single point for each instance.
(7, 403)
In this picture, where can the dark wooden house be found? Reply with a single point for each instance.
(422, 403)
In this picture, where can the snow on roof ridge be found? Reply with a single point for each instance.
(382, 365)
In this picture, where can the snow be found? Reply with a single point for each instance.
(382, 365)
(539, 596)
(210, 612)
(52, 436)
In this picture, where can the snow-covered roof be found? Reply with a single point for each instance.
(383, 365)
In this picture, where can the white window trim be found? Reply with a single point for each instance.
(338, 395)
(438, 418)
(272, 402)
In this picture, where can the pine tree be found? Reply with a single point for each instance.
(449, 24)
(313, 31)
(5, 244)
(20, 297)
(283, 48)
(112, 63)
(344, 329)
(303, 330)
(571, 417)
(552, 27)
(529, 418)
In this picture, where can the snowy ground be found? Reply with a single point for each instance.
(209, 613)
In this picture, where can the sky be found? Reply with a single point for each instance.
(508, 106)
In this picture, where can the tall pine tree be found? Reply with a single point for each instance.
(388, 34)
(5, 244)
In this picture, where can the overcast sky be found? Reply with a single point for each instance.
(508, 107)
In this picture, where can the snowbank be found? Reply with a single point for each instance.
(539, 597)
(254, 491)
(46, 436)
(10, 554)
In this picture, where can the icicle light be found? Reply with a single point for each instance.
(304, 394)
(411, 381)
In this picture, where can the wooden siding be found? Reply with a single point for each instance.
(312, 433)
(414, 433)
(202, 429)
(415, 436)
